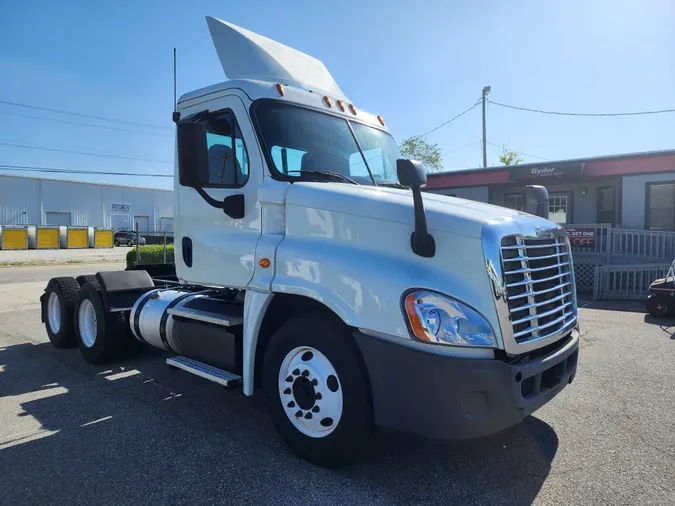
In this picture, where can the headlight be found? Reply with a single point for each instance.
(440, 319)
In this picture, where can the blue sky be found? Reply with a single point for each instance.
(415, 63)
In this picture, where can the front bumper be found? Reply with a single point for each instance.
(458, 398)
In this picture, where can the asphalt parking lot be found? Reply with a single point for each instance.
(138, 433)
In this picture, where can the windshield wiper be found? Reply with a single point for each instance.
(390, 184)
(334, 175)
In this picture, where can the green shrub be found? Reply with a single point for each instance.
(153, 254)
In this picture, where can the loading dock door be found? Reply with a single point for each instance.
(166, 224)
(143, 223)
(57, 219)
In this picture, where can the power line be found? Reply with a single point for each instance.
(520, 152)
(443, 151)
(104, 155)
(84, 124)
(450, 120)
(91, 116)
(558, 113)
(29, 168)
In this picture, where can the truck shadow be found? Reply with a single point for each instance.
(667, 325)
(138, 433)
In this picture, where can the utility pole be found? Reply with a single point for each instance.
(486, 91)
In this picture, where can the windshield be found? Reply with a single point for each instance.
(302, 142)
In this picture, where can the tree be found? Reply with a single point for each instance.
(509, 157)
(418, 149)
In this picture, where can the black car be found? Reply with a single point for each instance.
(127, 239)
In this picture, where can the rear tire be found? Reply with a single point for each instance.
(101, 335)
(57, 311)
(659, 306)
(316, 390)
(117, 243)
(88, 278)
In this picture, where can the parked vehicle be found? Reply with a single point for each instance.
(311, 268)
(661, 299)
(128, 239)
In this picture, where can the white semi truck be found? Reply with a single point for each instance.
(310, 268)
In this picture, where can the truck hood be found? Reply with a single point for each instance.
(449, 214)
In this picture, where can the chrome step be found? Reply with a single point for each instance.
(206, 316)
(203, 370)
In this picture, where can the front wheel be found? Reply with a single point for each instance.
(316, 390)
(659, 306)
(117, 243)
(129, 243)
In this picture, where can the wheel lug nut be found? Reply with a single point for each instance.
(296, 372)
(318, 396)
(314, 382)
(298, 413)
(291, 404)
(308, 416)
(305, 373)
(315, 409)
(287, 391)
(289, 379)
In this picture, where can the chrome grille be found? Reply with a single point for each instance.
(539, 281)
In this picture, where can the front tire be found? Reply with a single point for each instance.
(316, 390)
(100, 334)
(57, 311)
(129, 243)
(659, 306)
(117, 243)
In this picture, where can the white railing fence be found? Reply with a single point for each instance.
(627, 245)
(626, 281)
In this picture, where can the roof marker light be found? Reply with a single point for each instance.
(380, 119)
(341, 105)
(353, 109)
(326, 99)
(280, 89)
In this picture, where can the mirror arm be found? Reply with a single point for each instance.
(232, 205)
(421, 241)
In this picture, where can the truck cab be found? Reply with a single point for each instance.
(311, 267)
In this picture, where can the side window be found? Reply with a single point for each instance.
(228, 158)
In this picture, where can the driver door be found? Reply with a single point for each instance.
(218, 221)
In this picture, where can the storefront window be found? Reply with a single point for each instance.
(559, 208)
(661, 206)
(514, 201)
(607, 205)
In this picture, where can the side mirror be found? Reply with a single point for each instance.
(536, 200)
(193, 159)
(411, 173)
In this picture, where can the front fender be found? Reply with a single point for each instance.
(360, 267)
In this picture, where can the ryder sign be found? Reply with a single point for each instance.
(546, 171)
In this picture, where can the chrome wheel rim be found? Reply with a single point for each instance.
(87, 323)
(54, 312)
(310, 392)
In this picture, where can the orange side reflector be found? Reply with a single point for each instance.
(264, 263)
(415, 323)
(280, 89)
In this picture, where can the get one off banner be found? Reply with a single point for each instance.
(581, 237)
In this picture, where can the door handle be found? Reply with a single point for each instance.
(186, 248)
